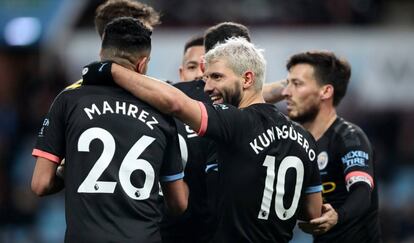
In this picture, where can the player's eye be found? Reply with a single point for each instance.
(192, 67)
(215, 76)
(296, 83)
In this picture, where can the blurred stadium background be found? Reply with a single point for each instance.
(44, 44)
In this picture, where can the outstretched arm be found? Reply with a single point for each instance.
(160, 95)
(272, 92)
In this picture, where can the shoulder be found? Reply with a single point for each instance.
(188, 84)
(349, 134)
(74, 85)
(194, 89)
(70, 89)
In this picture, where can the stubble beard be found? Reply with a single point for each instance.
(307, 116)
(233, 98)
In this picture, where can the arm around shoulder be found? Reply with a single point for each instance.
(160, 95)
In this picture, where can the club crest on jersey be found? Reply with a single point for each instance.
(322, 160)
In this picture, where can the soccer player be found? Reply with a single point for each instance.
(198, 222)
(267, 164)
(117, 149)
(190, 68)
(317, 82)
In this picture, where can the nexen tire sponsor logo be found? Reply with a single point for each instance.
(355, 158)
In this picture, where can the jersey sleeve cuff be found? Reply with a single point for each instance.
(204, 119)
(358, 176)
(172, 177)
(46, 155)
(313, 189)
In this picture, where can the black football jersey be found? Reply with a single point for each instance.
(116, 149)
(345, 159)
(195, 225)
(266, 164)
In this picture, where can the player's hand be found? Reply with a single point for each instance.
(98, 73)
(61, 169)
(328, 219)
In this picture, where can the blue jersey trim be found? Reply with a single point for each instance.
(313, 189)
(212, 167)
(172, 177)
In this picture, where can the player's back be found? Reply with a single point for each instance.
(115, 151)
(266, 164)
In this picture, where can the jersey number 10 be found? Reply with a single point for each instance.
(281, 212)
(128, 165)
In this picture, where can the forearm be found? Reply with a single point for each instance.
(47, 186)
(311, 207)
(176, 196)
(356, 204)
(272, 92)
(159, 94)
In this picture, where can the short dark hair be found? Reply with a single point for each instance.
(127, 34)
(223, 31)
(112, 9)
(194, 41)
(328, 68)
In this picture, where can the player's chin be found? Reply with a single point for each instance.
(292, 114)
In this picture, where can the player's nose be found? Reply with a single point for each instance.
(286, 91)
(208, 88)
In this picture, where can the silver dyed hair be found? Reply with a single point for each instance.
(241, 56)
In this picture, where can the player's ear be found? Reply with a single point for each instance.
(327, 92)
(248, 79)
(142, 65)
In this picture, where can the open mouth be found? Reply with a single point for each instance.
(217, 99)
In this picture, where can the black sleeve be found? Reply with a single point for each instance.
(172, 167)
(357, 158)
(50, 143)
(223, 122)
(357, 162)
(356, 204)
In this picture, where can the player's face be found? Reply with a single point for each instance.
(222, 84)
(190, 69)
(302, 93)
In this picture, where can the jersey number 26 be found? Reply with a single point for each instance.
(128, 165)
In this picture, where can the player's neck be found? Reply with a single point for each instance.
(123, 62)
(323, 120)
(251, 98)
